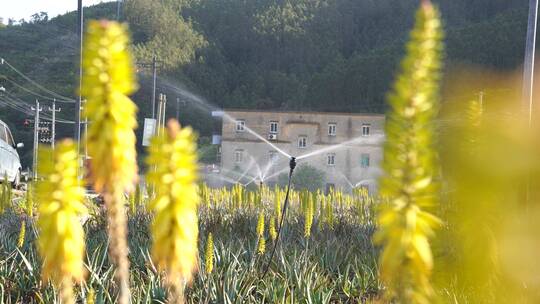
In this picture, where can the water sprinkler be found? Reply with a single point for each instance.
(292, 163)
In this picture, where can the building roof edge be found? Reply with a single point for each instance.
(304, 112)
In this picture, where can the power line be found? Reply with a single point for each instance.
(19, 102)
(56, 95)
(22, 107)
(34, 93)
(14, 107)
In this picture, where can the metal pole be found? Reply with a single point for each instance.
(118, 9)
(85, 134)
(36, 140)
(163, 110)
(158, 120)
(78, 102)
(528, 65)
(154, 76)
(53, 128)
(177, 108)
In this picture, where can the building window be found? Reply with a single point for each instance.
(238, 156)
(332, 129)
(302, 141)
(273, 156)
(240, 124)
(331, 159)
(273, 127)
(364, 160)
(365, 129)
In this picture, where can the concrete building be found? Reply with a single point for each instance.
(346, 146)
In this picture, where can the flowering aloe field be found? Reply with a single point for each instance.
(324, 255)
(454, 219)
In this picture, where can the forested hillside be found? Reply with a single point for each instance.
(331, 55)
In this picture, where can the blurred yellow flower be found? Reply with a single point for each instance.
(410, 165)
(108, 77)
(60, 196)
(173, 154)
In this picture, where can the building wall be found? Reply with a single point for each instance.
(347, 170)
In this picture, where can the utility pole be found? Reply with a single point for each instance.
(528, 65)
(154, 78)
(158, 121)
(160, 109)
(118, 4)
(85, 133)
(163, 110)
(153, 65)
(78, 102)
(53, 127)
(177, 108)
(36, 139)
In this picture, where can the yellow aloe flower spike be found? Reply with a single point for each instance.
(108, 77)
(261, 242)
(61, 238)
(411, 167)
(272, 228)
(260, 225)
(22, 234)
(308, 217)
(173, 154)
(261, 247)
(209, 254)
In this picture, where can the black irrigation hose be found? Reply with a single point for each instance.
(292, 165)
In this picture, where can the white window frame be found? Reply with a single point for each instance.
(366, 129)
(302, 141)
(238, 156)
(332, 127)
(240, 125)
(331, 159)
(274, 123)
(273, 156)
(362, 157)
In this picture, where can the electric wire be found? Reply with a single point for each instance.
(19, 101)
(34, 93)
(37, 85)
(25, 108)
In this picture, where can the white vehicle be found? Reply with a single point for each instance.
(10, 164)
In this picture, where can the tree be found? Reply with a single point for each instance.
(163, 32)
(304, 177)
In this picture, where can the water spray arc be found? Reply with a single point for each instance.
(368, 140)
(263, 172)
(258, 136)
(251, 162)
